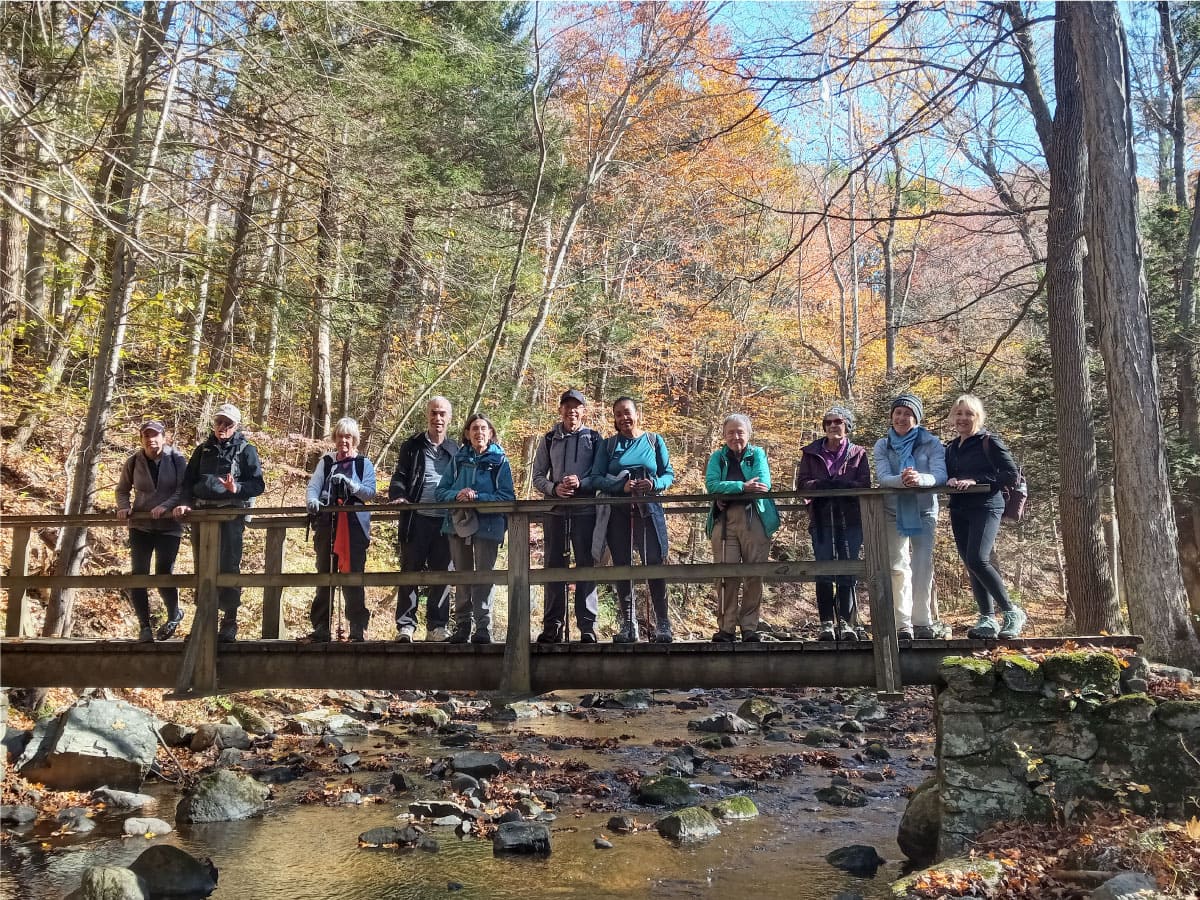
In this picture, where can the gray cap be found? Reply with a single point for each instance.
(573, 394)
(230, 412)
(152, 425)
(838, 411)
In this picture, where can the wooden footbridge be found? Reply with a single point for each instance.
(201, 666)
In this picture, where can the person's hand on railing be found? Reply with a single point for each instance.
(466, 495)
(754, 486)
(180, 512)
(910, 477)
(567, 487)
(124, 514)
(314, 506)
(961, 484)
(159, 511)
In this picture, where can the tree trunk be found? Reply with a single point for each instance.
(1177, 120)
(125, 217)
(1158, 607)
(320, 396)
(35, 259)
(274, 294)
(206, 265)
(1092, 596)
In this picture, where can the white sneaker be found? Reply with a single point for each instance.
(438, 634)
(405, 634)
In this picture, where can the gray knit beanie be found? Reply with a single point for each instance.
(912, 402)
(840, 412)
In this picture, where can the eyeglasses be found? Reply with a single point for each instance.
(829, 422)
(222, 422)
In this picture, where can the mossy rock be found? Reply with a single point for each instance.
(990, 871)
(822, 737)
(1130, 709)
(1180, 715)
(665, 790)
(251, 720)
(692, 824)
(1020, 673)
(739, 806)
(1084, 670)
(760, 710)
(968, 676)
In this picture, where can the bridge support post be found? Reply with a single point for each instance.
(198, 674)
(18, 623)
(272, 622)
(516, 673)
(879, 587)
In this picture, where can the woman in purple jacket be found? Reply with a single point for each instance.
(834, 523)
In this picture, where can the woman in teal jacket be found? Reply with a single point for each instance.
(479, 473)
(741, 529)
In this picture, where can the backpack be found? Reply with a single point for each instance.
(1016, 496)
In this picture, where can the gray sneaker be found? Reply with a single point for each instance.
(1014, 621)
(983, 630)
(934, 631)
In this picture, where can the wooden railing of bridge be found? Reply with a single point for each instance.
(204, 668)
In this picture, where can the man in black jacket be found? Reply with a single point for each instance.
(223, 471)
(420, 464)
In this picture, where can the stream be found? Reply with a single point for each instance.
(300, 850)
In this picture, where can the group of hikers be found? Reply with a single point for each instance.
(436, 472)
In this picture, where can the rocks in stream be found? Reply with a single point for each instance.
(222, 735)
(114, 799)
(389, 837)
(723, 723)
(137, 826)
(694, 823)
(223, 796)
(760, 711)
(529, 838)
(636, 699)
(739, 806)
(110, 883)
(170, 872)
(857, 859)
(842, 793)
(17, 814)
(989, 871)
(921, 824)
(91, 744)
(665, 790)
(325, 721)
(479, 764)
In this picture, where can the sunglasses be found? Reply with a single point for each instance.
(829, 422)
(221, 422)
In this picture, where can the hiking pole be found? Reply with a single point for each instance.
(335, 594)
(572, 586)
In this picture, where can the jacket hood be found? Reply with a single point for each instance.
(493, 455)
(815, 448)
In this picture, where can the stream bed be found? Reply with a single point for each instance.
(298, 850)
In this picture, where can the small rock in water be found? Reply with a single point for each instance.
(171, 872)
(348, 761)
(857, 859)
(602, 843)
(841, 795)
(121, 799)
(111, 883)
(724, 723)
(428, 844)
(389, 836)
(328, 740)
(522, 837)
(18, 814)
(853, 726)
(510, 815)
(448, 821)
(622, 824)
(691, 824)
(453, 886)
(876, 750)
(350, 798)
(145, 827)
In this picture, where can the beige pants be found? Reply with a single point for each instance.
(739, 537)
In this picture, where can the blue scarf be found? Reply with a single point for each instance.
(908, 513)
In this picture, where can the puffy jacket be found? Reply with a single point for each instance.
(929, 459)
(754, 465)
(985, 462)
(560, 454)
(813, 475)
(490, 476)
(409, 477)
(148, 494)
(212, 459)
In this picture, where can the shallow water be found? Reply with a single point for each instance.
(309, 851)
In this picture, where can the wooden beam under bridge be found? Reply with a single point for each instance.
(382, 665)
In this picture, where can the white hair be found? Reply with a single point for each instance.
(740, 419)
(440, 399)
(347, 426)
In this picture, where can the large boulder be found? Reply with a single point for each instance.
(222, 736)
(171, 872)
(91, 744)
(110, 883)
(760, 711)
(1129, 886)
(857, 859)
(982, 873)
(326, 721)
(692, 824)
(921, 823)
(531, 838)
(722, 723)
(223, 796)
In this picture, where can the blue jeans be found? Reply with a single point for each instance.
(843, 542)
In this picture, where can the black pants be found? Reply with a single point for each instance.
(229, 562)
(975, 531)
(426, 550)
(163, 547)
(624, 538)
(554, 529)
(355, 597)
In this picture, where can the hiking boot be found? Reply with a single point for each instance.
(846, 632)
(983, 630)
(751, 637)
(146, 635)
(1014, 621)
(934, 631)
(318, 636)
(404, 634)
(167, 629)
(358, 637)
(904, 634)
(481, 636)
(227, 633)
(551, 634)
(460, 635)
(724, 637)
(587, 637)
(663, 636)
(827, 632)
(627, 635)
(437, 634)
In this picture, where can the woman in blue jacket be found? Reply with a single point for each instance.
(479, 473)
(740, 530)
(634, 462)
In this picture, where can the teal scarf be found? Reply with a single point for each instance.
(908, 513)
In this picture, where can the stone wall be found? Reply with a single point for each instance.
(1019, 739)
